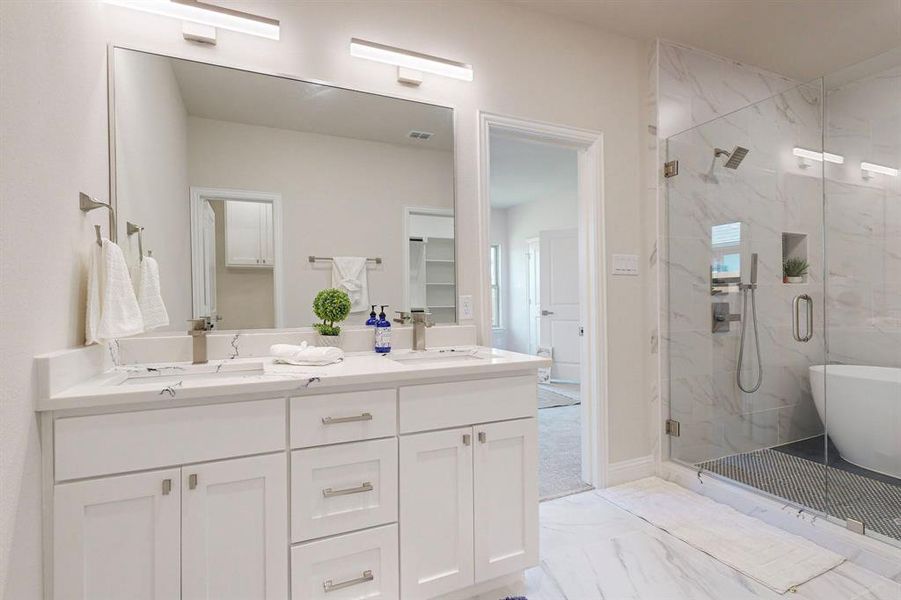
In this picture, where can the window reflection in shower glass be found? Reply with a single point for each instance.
(725, 266)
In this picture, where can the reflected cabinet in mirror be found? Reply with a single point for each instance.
(254, 192)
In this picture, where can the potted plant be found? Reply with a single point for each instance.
(794, 270)
(332, 306)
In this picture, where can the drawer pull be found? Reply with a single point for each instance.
(365, 487)
(192, 481)
(328, 586)
(167, 486)
(333, 420)
(467, 439)
(483, 437)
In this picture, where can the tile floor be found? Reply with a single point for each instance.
(592, 550)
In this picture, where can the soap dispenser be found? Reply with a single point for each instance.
(372, 320)
(383, 333)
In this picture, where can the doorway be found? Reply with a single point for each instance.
(541, 241)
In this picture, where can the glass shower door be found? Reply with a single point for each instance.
(745, 264)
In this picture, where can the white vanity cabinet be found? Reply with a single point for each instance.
(400, 490)
(248, 234)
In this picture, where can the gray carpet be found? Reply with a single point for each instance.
(840, 493)
(557, 394)
(560, 451)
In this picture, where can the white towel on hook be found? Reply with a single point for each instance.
(349, 274)
(150, 299)
(112, 308)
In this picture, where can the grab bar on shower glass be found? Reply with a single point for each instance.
(796, 318)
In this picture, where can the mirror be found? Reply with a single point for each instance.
(244, 187)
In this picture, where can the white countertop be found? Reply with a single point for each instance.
(165, 382)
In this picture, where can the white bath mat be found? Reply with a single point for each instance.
(767, 554)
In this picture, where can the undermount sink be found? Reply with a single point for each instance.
(433, 357)
(166, 376)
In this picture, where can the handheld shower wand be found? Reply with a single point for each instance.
(745, 287)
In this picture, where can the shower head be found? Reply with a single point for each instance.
(737, 155)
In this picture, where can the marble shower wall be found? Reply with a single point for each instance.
(770, 194)
(863, 220)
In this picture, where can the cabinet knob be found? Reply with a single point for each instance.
(483, 437)
(167, 486)
(192, 481)
(467, 439)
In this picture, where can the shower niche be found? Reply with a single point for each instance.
(795, 267)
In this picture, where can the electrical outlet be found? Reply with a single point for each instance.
(466, 307)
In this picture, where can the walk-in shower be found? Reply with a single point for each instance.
(768, 262)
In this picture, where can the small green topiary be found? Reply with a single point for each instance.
(795, 267)
(332, 306)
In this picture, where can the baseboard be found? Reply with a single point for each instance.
(630, 470)
(877, 556)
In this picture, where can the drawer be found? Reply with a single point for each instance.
(131, 441)
(443, 405)
(335, 418)
(335, 489)
(356, 565)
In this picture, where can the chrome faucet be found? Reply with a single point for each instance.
(420, 320)
(198, 331)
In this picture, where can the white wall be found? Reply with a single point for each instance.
(340, 197)
(152, 174)
(54, 131)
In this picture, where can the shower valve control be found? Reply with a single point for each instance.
(722, 317)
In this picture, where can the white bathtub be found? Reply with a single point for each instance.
(861, 407)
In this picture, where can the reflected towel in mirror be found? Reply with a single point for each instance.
(349, 274)
(305, 355)
(150, 299)
(112, 308)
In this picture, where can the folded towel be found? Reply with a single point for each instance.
(150, 299)
(305, 355)
(349, 274)
(112, 308)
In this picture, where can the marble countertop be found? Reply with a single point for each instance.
(149, 383)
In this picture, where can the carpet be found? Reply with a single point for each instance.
(559, 451)
(551, 395)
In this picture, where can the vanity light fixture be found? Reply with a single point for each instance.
(804, 154)
(410, 65)
(208, 15)
(869, 168)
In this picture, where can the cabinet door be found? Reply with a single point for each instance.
(436, 513)
(117, 538)
(243, 230)
(267, 251)
(506, 497)
(235, 529)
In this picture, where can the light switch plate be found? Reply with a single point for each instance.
(465, 307)
(625, 264)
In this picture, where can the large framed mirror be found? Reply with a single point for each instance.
(253, 192)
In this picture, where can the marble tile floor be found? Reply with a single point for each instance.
(593, 550)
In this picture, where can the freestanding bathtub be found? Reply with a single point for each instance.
(861, 407)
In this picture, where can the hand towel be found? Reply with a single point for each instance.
(112, 308)
(150, 300)
(349, 274)
(305, 355)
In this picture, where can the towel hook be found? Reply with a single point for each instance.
(87, 204)
(131, 229)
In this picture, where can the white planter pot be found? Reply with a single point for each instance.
(329, 340)
(794, 280)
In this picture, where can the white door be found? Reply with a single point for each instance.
(559, 298)
(235, 529)
(436, 553)
(244, 222)
(208, 245)
(505, 484)
(117, 537)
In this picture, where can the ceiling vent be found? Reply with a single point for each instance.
(420, 135)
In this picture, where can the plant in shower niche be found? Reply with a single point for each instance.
(794, 270)
(332, 306)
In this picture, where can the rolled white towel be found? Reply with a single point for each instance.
(305, 355)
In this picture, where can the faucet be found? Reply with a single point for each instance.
(198, 331)
(420, 320)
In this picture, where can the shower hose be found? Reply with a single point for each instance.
(741, 347)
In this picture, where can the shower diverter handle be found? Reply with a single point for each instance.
(796, 318)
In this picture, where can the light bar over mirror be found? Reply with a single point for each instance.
(410, 60)
(207, 14)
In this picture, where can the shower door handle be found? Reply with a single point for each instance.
(796, 318)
